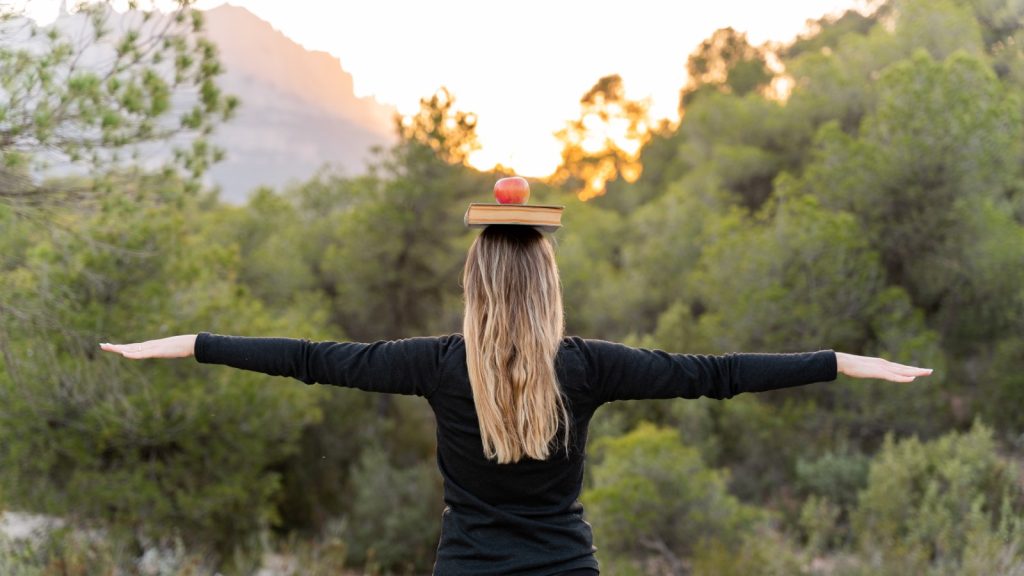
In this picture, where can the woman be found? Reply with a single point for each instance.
(513, 398)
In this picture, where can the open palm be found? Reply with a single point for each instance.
(868, 367)
(181, 346)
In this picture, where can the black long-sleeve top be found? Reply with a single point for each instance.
(523, 518)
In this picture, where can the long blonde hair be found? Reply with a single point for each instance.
(513, 328)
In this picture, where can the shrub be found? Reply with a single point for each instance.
(930, 507)
(654, 499)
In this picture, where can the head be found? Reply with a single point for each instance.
(513, 328)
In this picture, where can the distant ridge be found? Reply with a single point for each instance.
(299, 110)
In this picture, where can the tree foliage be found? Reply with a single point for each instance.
(604, 143)
(162, 450)
(725, 62)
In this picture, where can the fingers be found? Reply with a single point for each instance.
(907, 370)
(871, 367)
(902, 373)
(179, 346)
(136, 350)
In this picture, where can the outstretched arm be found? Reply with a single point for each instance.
(619, 372)
(409, 366)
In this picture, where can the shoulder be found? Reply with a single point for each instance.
(441, 346)
(593, 349)
(447, 347)
(451, 341)
(416, 352)
(594, 353)
(440, 342)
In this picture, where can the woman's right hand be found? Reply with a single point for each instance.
(868, 367)
(181, 346)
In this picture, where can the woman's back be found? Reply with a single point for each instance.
(512, 518)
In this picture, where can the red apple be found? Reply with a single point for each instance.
(514, 190)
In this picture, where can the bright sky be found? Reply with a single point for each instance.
(521, 67)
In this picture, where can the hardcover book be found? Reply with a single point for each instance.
(544, 218)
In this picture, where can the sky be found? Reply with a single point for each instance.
(520, 67)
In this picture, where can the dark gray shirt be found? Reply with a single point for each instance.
(523, 518)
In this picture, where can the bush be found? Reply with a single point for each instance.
(1002, 392)
(395, 520)
(765, 552)
(75, 551)
(654, 500)
(930, 507)
(832, 482)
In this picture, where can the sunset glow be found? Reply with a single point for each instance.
(522, 70)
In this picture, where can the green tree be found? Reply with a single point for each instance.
(604, 144)
(728, 150)
(173, 449)
(826, 33)
(1002, 390)
(796, 278)
(665, 240)
(279, 239)
(835, 71)
(448, 131)
(597, 297)
(725, 62)
(929, 178)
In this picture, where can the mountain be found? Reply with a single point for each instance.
(298, 111)
(298, 108)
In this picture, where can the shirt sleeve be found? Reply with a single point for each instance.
(619, 372)
(411, 366)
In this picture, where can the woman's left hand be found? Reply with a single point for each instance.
(868, 367)
(181, 346)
